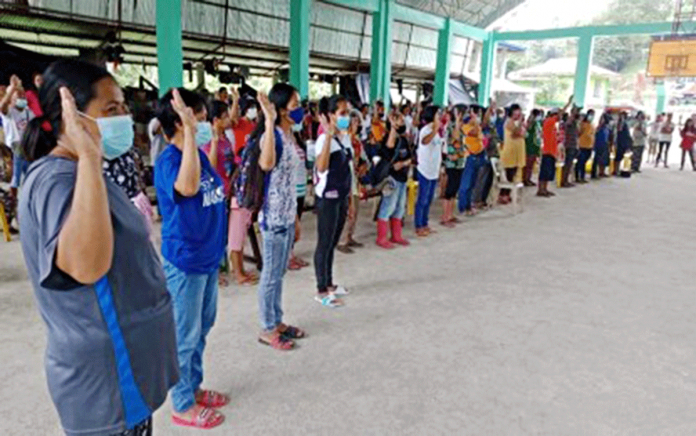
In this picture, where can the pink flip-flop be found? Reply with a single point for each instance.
(208, 398)
(206, 419)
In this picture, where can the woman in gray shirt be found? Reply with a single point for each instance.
(99, 284)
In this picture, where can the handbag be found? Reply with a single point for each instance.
(380, 171)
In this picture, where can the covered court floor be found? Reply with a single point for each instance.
(575, 317)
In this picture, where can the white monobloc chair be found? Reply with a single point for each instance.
(516, 188)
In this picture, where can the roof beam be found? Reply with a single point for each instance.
(417, 17)
(577, 32)
(363, 5)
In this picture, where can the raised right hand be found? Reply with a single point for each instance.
(77, 137)
(15, 81)
(188, 119)
(268, 108)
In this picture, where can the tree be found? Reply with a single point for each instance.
(618, 52)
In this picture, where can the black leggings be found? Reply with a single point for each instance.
(691, 157)
(142, 429)
(454, 179)
(331, 218)
(664, 145)
(510, 174)
(300, 206)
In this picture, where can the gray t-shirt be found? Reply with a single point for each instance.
(639, 134)
(111, 353)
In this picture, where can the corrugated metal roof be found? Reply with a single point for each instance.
(256, 33)
(479, 13)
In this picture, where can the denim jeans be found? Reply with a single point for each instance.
(194, 298)
(394, 204)
(277, 244)
(19, 169)
(426, 192)
(581, 167)
(331, 218)
(471, 171)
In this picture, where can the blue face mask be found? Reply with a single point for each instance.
(297, 115)
(204, 133)
(21, 103)
(117, 135)
(343, 123)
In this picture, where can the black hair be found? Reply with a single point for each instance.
(222, 89)
(429, 114)
(80, 78)
(168, 117)
(330, 105)
(280, 97)
(513, 108)
(247, 104)
(587, 115)
(217, 110)
(535, 112)
(364, 106)
(459, 108)
(478, 110)
(379, 103)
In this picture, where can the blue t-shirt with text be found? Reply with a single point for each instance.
(193, 228)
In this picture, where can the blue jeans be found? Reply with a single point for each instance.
(426, 192)
(394, 204)
(194, 298)
(471, 170)
(19, 168)
(277, 244)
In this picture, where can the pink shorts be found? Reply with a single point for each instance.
(240, 220)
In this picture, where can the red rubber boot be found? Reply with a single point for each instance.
(382, 231)
(396, 229)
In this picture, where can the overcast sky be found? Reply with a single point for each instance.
(545, 14)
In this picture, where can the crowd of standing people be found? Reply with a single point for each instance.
(86, 221)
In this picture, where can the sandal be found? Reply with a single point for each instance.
(345, 249)
(212, 399)
(279, 342)
(223, 282)
(293, 265)
(303, 263)
(339, 291)
(248, 280)
(329, 301)
(449, 224)
(355, 244)
(292, 332)
(206, 418)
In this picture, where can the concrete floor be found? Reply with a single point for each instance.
(574, 318)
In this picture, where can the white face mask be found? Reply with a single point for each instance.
(252, 113)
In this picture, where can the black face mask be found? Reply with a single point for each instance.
(401, 130)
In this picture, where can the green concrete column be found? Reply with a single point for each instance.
(380, 62)
(487, 62)
(661, 98)
(299, 45)
(170, 56)
(442, 70)
(582, 70)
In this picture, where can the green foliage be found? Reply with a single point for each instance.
(552, 91)
(617, 53)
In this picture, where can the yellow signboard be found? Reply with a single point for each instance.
(673, 58)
